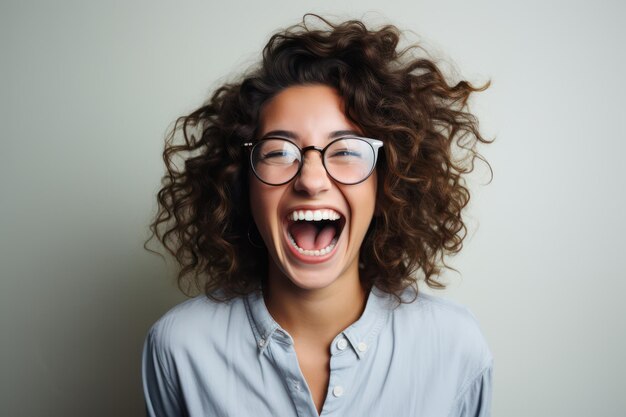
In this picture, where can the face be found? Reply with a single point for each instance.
(311, 116)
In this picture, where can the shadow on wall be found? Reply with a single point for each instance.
(77, 342)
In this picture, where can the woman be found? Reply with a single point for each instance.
(314, 193)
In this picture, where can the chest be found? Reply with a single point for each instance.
(314, 363)
(282, 379)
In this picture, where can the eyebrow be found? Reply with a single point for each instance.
(292, 135)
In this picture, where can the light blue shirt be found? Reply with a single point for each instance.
(427, 358)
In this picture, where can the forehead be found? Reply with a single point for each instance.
(301, 111)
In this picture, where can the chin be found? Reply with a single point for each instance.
(312, 281)
(316, 276)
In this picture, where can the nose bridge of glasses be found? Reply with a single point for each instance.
(313, 174)
(306, 149)
(311, 148)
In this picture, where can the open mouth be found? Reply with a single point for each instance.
(314, 232)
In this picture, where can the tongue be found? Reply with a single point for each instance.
(307, 237)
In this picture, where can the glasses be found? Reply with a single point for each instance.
(347, 160)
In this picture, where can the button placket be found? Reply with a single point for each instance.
(286, 359)
(343, 364)
(337, 390)
(342, 344)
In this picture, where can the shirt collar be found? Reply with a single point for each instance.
(362, 334)
(262, 323)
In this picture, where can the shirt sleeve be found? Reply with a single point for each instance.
(475, 398)
(162, 396)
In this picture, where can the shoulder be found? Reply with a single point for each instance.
(192, 322)
(447, 327)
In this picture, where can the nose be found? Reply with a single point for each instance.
(313, 178)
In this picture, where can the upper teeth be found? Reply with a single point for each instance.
(314, 215)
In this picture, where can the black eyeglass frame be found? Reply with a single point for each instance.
(375, 144)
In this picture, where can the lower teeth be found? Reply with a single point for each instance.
(316, 252)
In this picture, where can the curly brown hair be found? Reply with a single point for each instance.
(392, 94)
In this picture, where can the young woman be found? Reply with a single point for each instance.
(313, 195)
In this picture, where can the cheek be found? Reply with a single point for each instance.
(369, 199)
(363, 201)
(368, 194)
(257, 203)
(263, 205)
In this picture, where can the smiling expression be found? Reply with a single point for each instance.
(329, 220)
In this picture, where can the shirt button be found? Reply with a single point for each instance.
(362, 347)
(338, 391)
(342, 344)
(261, 343)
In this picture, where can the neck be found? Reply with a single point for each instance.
(315, 314)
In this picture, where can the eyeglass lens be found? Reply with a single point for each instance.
(348, 160)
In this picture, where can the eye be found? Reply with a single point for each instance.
(349, 150)
(278, 154)
(346, 153)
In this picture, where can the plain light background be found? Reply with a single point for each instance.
(88, 90)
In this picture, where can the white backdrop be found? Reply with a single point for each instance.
(88, 90)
